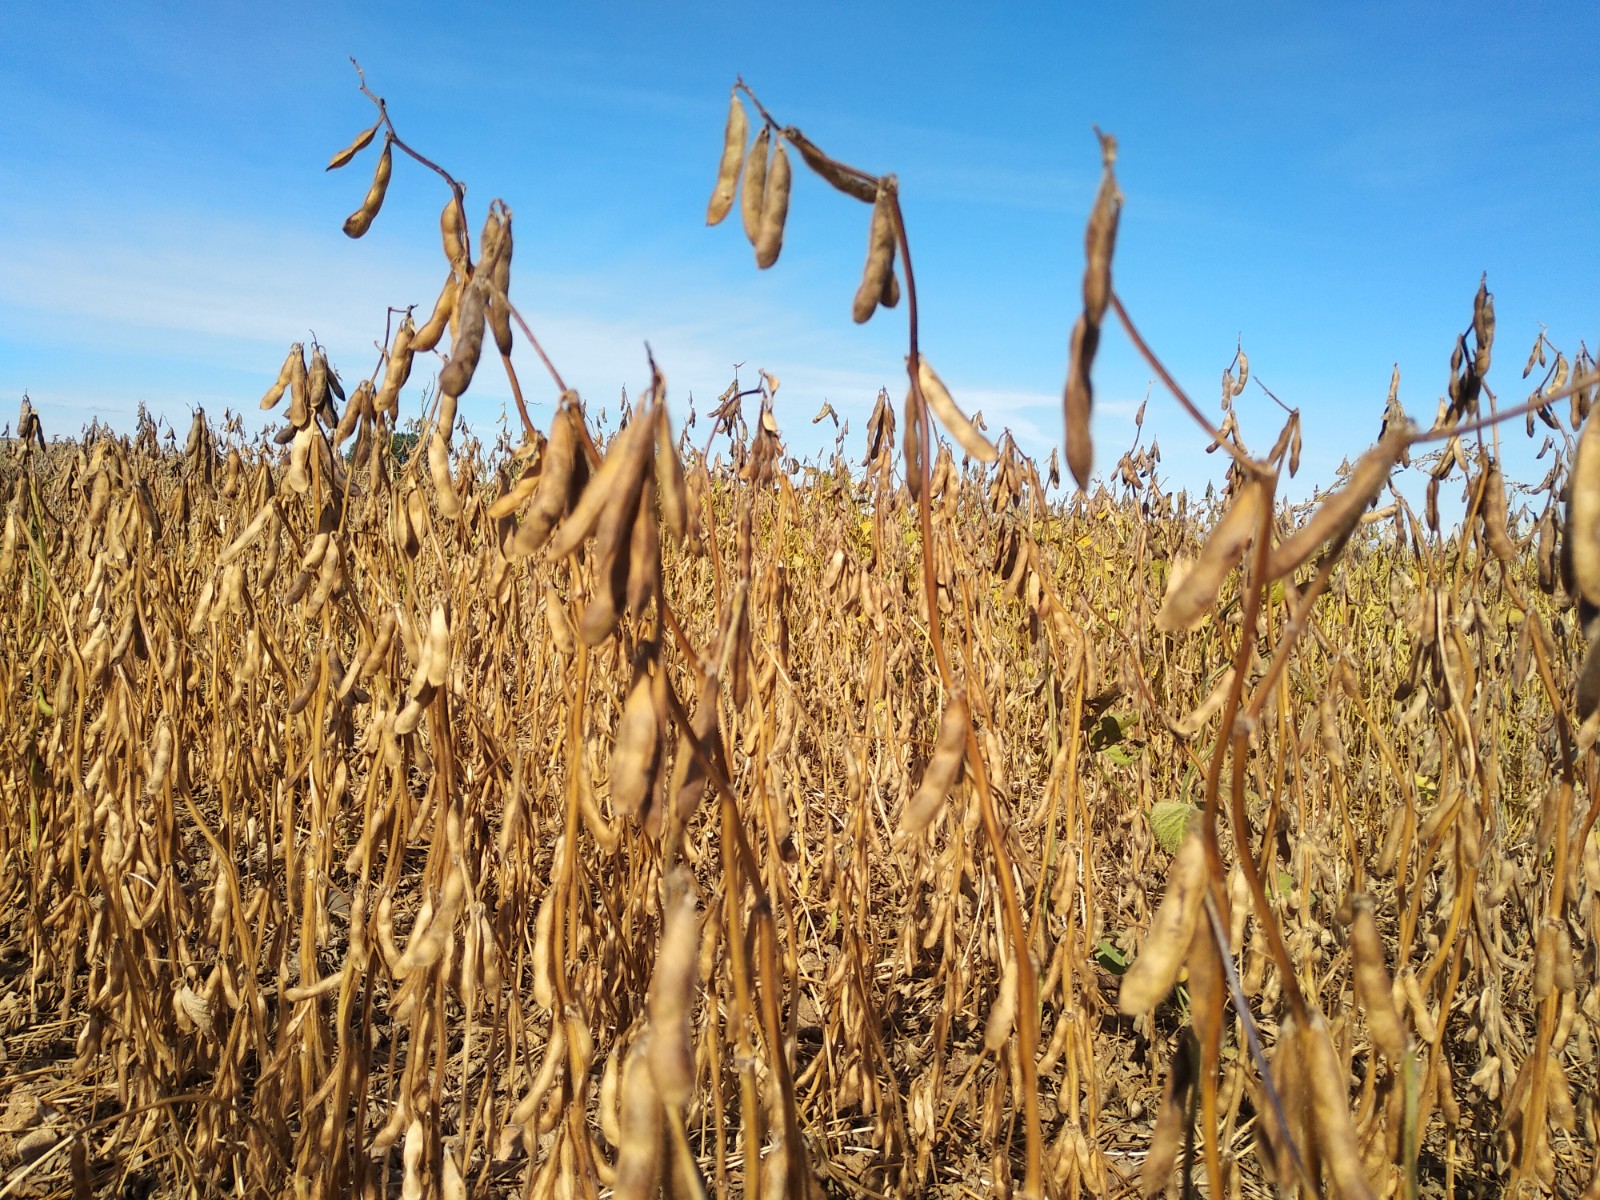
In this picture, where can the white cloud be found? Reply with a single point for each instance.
(202, 314)
(178, 314)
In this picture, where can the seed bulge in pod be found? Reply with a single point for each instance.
(891, 286)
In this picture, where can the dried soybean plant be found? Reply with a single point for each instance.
(1306, 1110)
(766, 183)
(620, 814)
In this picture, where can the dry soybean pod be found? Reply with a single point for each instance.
(1003, 1015)
(249, 534)
(299, 414)
(360, 406)
(1100, 239)
(467, 346)
(298, 476)
(439, 469)
(612, 536)
(1373, 985)
(841, 177)
(1341, 512)
(754, 184)
(880, 255)
(374, 657)
(513, 499)
(1166, 1136)
(1496, 515)
(285, 375)
(1078, 402)
(160, 758)
(438, 651)
(322, 383)
(500, 308)
(671, 999)
(363, 140)
(1155, 969)
(398, 369)
(1191, 594)
(1327, 1084)
(494, 268)
(614, 532)
(428, 336)
(636, 751)
(639, 1153)
(688, 782)
(644, 549)
(555, 615)
(774, 209)
(1580, 547)
(944, 767)
(358, 222)
(733, 136)
(615, 471)
(1482, 327)
(453, 233)
(555, 477)
(1563, 974)
(912, 447)
(671, 490)
(951, 417)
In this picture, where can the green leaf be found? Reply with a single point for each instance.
(1121, 755)
(1169, 821)
(1111, 956)
(1107, 733)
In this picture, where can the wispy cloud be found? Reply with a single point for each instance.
(203, 316)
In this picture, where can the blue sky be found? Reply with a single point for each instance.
(1326, 182)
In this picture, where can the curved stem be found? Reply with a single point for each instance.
(456, 188)
(555, 375)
